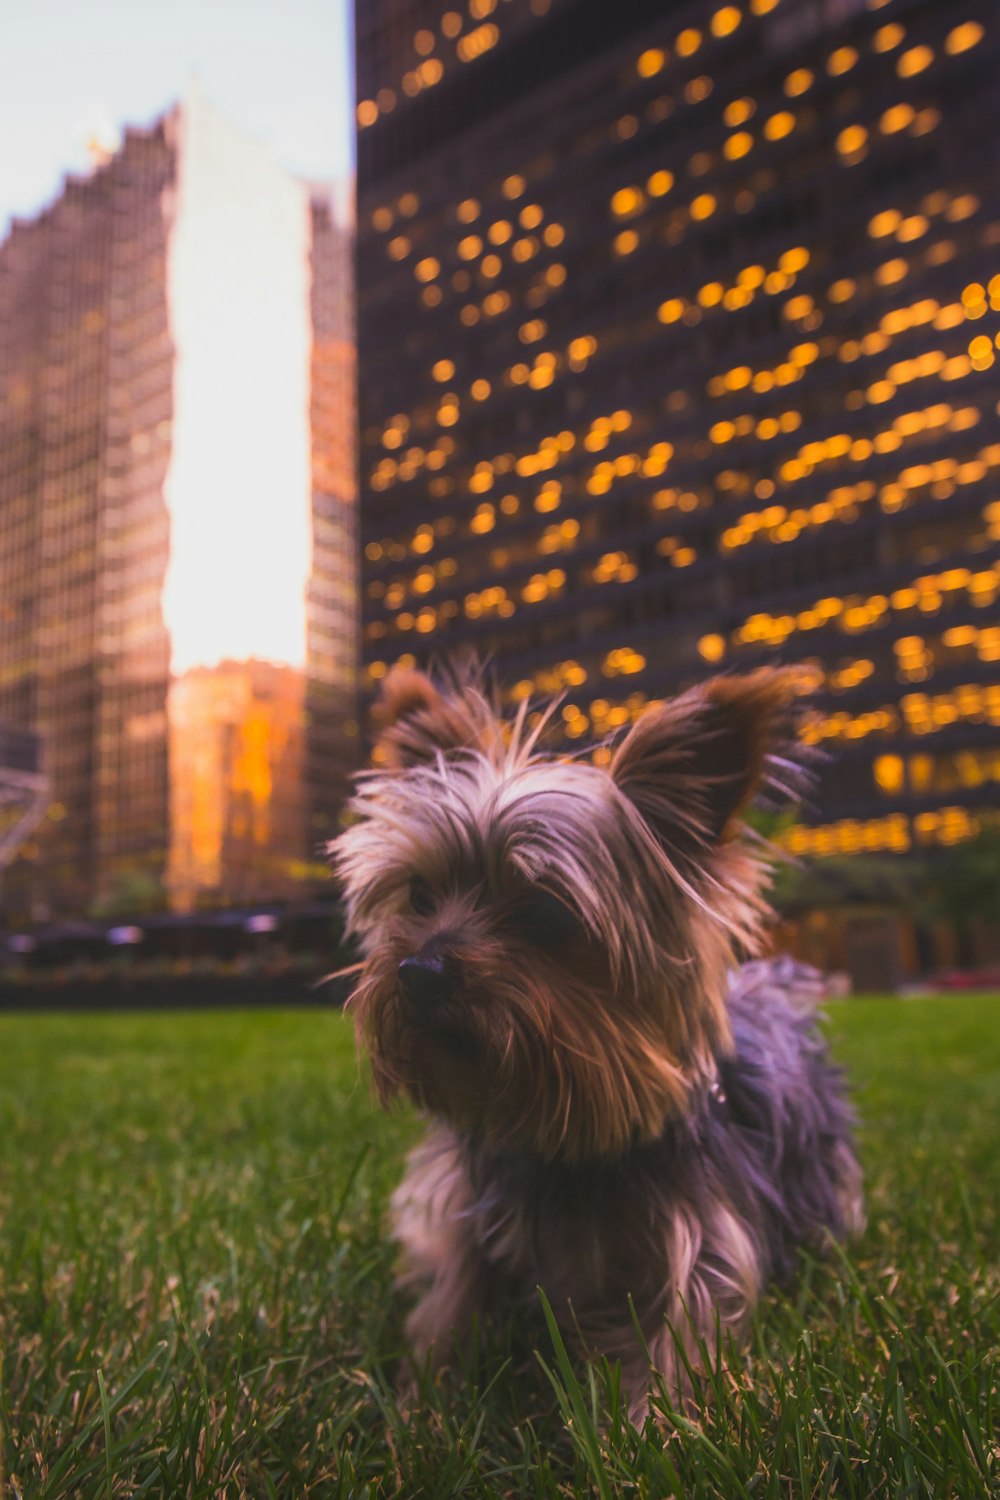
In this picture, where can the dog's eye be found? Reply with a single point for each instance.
(547, 919)
(421, 896)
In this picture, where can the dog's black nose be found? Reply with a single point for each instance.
(424, 978)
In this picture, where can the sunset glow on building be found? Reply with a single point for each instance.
(239, 486)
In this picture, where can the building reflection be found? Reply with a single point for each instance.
(238, 807)
(177, 523)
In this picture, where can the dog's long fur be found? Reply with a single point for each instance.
(551, 971)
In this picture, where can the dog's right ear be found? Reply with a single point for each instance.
(415, 721)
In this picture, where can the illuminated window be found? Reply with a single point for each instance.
(891, 272)
(912, 228)
(981, 353)
(650, 62)
(367, 113)
(962, 208)
(626, 201)
(688, 42)
(725, 21)
(779, 125)
(798, 82)
(841, 61)
(531, 332)
(852, 139)
(738, 111)
(794, 260)
(970, 34)
(897, 118)
(625, 128)
(513, 186)
(703, 207)
(738, 145)
(671, 310)
(888, 772)
(697, 89)
(843, 290)
(884, 223)
(914, 61)
(926, 120)
(467, 211)
(888, 37)
(660, 183)
(477, 41)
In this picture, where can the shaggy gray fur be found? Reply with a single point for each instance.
(689, 1226)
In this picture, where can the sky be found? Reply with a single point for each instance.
(280, 70)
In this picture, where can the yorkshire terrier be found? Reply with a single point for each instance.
(625, 1111)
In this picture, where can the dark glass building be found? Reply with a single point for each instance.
(678, 331)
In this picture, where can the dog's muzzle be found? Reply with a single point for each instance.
(424, 979)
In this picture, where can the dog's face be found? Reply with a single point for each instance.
(545, 939)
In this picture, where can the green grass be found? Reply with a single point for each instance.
(196, 1291)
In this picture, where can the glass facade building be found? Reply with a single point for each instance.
(679, 331)
(177, 523)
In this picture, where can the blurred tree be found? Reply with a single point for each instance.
(839, 880)
(961, 887)
(131, 893)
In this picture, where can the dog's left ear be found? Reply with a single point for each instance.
(416, 721)
(692, 764)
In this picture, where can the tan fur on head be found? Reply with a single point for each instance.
(415, 722)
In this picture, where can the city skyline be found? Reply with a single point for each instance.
(177, 523)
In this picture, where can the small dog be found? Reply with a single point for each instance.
(620, 1113)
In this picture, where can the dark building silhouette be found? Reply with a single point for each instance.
(679, 333)
(177, 532)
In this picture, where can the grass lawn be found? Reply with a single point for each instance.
(196, 1293)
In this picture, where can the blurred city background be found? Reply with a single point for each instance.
(648, 341)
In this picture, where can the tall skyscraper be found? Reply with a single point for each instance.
(679, 330)
(177, 532)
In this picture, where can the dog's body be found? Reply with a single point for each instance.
(622, 1116)
(689, 1226)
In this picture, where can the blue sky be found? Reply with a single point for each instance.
(69, 69)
